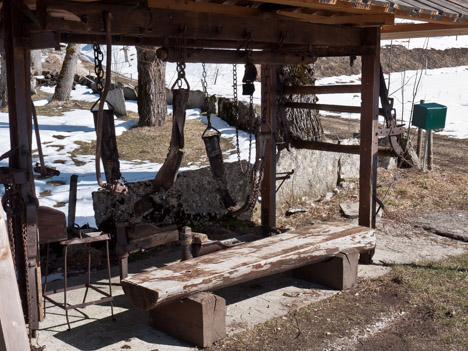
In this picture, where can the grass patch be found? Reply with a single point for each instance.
(54, 110)
(152, 144)
(60, 204)
(59, 147)
(77, 162)
(424, 307)
(55, 182)
(60, 161)
(45, 193)
(60, 137)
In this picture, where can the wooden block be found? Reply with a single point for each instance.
(199, 319)
(366, 256)
(339, 272)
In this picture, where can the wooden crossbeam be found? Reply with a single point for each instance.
(261, 57)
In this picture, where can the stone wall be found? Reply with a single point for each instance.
(192, 200)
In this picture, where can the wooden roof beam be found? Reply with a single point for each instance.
(422, 30)
(207, 7)
(160, 23)
(373, 19)
(335, 5)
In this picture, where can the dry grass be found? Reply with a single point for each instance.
(152, 144)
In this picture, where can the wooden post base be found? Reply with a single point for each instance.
(199, 319)
(339, 272)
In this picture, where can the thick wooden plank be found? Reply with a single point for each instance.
(369, 126)
(253, 260)
(13, 335)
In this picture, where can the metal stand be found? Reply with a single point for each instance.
(87, 239)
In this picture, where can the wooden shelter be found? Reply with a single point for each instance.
(279, 31)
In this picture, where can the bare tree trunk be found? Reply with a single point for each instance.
(67, 74)
(301, 124)
(152, 107)
(3, 84)
(36, 62)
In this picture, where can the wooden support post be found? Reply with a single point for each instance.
(369, 126)
(419, 143)
(270, 93)
(13, 334)
(420, 136)
(20, 118)
(199, 319)
(430, 150)
(339, 272)
(121, 248)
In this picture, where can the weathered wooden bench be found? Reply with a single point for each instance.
(162, 290)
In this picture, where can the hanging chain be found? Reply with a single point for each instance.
(205, 93)
(24, 235)
(180, 68)
(98, 58)
(236, 111)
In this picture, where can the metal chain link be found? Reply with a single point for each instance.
(98, 58)
(205, 93)
(24, 236)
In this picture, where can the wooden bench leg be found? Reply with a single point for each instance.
(366, 257)
(199, 319)
(339, 272)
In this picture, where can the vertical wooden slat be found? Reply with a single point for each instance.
(369, 125)
(12, 327)
(270, 92)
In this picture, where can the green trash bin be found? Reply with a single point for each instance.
(429, 116)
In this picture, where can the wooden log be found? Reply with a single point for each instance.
(322, 89)
(13, 334)
(246, 262)
(344, 149)
(199, 319)
(339, 272)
